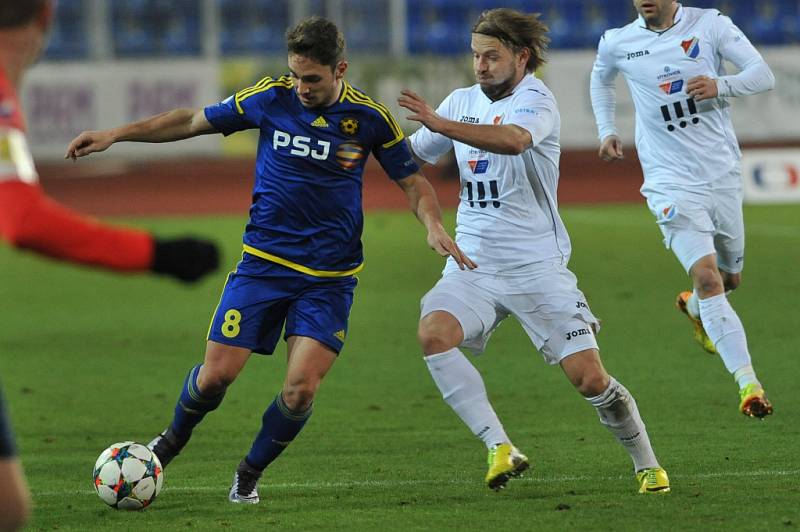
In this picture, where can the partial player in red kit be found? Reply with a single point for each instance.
(31, 220)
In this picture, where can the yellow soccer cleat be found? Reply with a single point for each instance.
(505, 461)
(653, 480)
(700, 335)
(753, 401)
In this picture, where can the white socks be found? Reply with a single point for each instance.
(725, 329)
(463, 389)
(618, 412)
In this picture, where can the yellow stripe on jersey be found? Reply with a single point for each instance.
(299, 267)
(263, 85)
(357, 97)
(16, 161)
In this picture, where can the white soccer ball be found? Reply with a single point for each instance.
(128, 476)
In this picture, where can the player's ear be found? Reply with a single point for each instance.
(44, 19)
(524, 56)
(339, 70)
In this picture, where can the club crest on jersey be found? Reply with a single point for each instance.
(498, 120)
(479, 166)
(672, 87)
(320, 122)
(667, 213)
(691, 47)
(348, 126)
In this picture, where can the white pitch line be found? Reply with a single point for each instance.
(404, 483)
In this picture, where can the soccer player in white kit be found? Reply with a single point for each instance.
(671, 57)
(505, 134)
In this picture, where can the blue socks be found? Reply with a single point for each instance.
(192, 407)
(279, 427)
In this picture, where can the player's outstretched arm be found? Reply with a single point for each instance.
(425, 205)
(503, 139)
(611, 149)
(173, 125)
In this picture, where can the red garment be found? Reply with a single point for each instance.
(31, 220)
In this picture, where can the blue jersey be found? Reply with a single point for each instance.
(306, 212)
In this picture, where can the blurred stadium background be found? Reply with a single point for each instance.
(112, 61)
(88, 358)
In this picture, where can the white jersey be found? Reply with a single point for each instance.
(680, 142)
(508, 215)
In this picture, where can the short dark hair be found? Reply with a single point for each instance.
(15, 13)
(516, 30)
(317, 38)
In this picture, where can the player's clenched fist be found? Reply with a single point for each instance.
(611, 149)
(89, 142)
(702, 88)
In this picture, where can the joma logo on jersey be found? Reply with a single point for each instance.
(578, 332)
(301, 146)
(469, 119)
(639, 53)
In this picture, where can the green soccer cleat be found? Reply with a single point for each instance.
(700, 335)
(753, 401)
(653, 480)
(505, 462)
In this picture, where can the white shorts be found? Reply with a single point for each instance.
(701, 222)
(544, 298)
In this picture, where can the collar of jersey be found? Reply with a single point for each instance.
(675, 21)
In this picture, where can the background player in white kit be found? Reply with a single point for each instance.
(505, 133)
(671, 57)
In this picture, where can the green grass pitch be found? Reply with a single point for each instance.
(88, 358)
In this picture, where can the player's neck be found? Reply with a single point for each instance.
(337, 93)
(665, 22)
(13, 60)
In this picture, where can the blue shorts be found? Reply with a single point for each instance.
(260, 298)
(7, 449)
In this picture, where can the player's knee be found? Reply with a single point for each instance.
(16, 514)
(434, 336)
(707, 281)
(592, 383)
(298, 396)
(214, 382)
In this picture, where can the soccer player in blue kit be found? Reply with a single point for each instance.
(302, 245)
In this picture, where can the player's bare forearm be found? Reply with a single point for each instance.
(505, 140)
(423, 202)
(177, 124)
(421, 199)
(173, 125)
